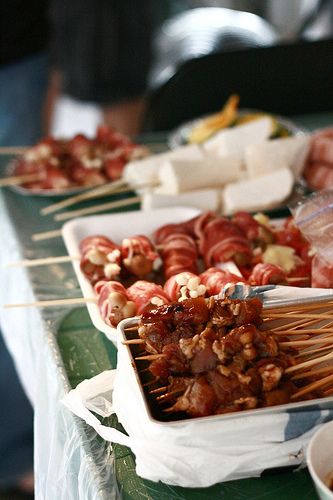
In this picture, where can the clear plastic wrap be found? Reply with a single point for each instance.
(314, 217)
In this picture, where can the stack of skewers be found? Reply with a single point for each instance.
(202, 358)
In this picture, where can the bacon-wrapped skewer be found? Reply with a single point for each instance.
(113, 302)
(45, 159)
(318, 172)
(79, 161)
(255, 232)
(179, 253)
(199, 223)
(267, 274)
(139, 256)
(147, 295)
(223, 241)
(191, 227)
(290, 235)
(164, 231)
(216, 279)
(322, 273)
(100, 258)
(183, 286)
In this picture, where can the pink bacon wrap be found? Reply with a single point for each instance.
(147, 295)
(183, 286)
(100, 258)
(215, 280)
(318, 172)
(113, 302)
(139, 256)
(267, 274)
(223, 241)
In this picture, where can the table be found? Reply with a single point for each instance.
(55, 348)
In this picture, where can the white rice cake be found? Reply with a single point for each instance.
(146, 170)
(271, 155)
(233, 141)
(179, 176)
(203, 199)
(258, 193)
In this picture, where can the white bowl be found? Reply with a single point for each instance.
(320, 459)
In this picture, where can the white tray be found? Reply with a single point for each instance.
(116, 227)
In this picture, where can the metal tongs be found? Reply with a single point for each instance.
(277, 295)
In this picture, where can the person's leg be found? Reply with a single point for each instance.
(125, 116)
(16, 427)
(23, 86)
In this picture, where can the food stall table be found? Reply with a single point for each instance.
(56, 348)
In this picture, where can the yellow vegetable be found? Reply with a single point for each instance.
(208, 126)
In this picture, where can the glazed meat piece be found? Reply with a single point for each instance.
(235, 312)
(199, 399)
(189, 311)
(158, 334)
(171, 362)
(228, 365)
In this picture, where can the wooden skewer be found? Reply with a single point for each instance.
(311, 362)
(19, 179)
(169, 410)
(151, 382)
(313, 373)
(55, 302)
(150, 357)
(295, 343)
(42, 262)
(304, 332)
(133, 341)
(131, 328)
(98, 208)
(46, 235)
(299, 315)
(91, 193)
(312, 386)
(158, 390)
(317, 304)
(115, 187)
(295, 279)
(145, 370)
(167, 396)
(13, 150)
(310, 354)
(292, 325)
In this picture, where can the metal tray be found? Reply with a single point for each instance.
(153, 410)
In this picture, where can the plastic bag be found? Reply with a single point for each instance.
(314, 217)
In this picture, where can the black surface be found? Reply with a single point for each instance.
(285, 79)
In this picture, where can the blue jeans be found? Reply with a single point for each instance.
(23, 86)
(16, 424)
